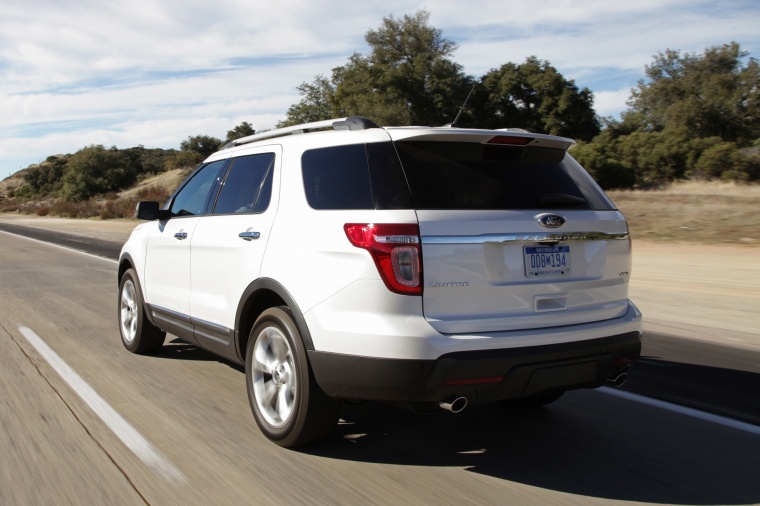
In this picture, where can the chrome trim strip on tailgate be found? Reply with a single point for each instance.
(516, 238)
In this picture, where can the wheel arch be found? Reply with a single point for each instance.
(259, 296)
(126, 263)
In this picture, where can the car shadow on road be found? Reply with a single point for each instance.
(178, 349)
(586, 444)
(719, 390)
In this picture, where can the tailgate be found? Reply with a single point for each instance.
(487, 273)
(515, 233)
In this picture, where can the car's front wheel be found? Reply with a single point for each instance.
(138, 334)
(288, 405)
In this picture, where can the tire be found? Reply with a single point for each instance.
(288, 405)
(535, 401)
(138, 334)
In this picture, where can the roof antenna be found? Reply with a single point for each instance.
(453, 124)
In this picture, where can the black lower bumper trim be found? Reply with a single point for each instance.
(493, 374)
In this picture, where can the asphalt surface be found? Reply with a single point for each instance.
(720, 379)
(587, 448)
(99, 247)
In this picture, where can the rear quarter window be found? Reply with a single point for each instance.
(355, 176)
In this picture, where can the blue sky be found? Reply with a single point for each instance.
(153, 72)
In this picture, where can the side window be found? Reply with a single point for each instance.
(389, 187)
(194, 196)
(337, 178)
(248, 185)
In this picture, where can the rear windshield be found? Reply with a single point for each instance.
(465, 175)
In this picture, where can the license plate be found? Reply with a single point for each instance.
(547, 261)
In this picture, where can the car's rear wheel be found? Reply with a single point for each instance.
(138, 334)
(288, 405)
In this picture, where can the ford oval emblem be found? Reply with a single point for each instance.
(551, 220)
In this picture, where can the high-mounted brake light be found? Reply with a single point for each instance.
(511, 140)
(395, 248)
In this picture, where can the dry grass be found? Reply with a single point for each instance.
(700, 212)
(168, 181)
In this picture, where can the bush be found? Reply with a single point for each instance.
(67, 209)
(722, 160)
(609, 172)
(96, 170)
(184, 159)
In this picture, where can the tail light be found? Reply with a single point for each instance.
(396, 252)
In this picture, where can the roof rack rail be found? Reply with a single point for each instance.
(348, 123)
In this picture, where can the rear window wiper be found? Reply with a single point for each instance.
(562, 198)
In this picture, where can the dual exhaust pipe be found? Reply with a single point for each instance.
(618, 380)
(453, 404)
(456, 404)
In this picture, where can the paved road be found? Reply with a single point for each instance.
(697, 366)
(588, 448)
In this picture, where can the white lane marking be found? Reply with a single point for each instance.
(128, 435)
(67, 248)
(683, 410)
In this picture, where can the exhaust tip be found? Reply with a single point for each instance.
(619, 380)
(453, 404)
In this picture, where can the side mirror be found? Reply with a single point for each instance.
(149, 210)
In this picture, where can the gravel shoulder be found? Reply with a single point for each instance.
(707, 292)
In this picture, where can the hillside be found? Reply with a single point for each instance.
(702, 212)
(12, 182)
(112, 205)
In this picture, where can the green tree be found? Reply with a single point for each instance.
(244, 129)
(407, 78)
(46, 177)
(603, 165)
(695, 115)
(144, 160)
(204, 145)
(714, 94)
(721, 160)
(535, 96)
(95, 170)
(315, 104)
(183, 160)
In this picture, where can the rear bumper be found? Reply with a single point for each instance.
(510, 373)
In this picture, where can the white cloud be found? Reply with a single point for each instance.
(611, 103)
(153, 72)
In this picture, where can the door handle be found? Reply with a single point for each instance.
(181, 235)
(249, 236)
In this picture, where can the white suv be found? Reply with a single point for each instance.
(429, 266)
